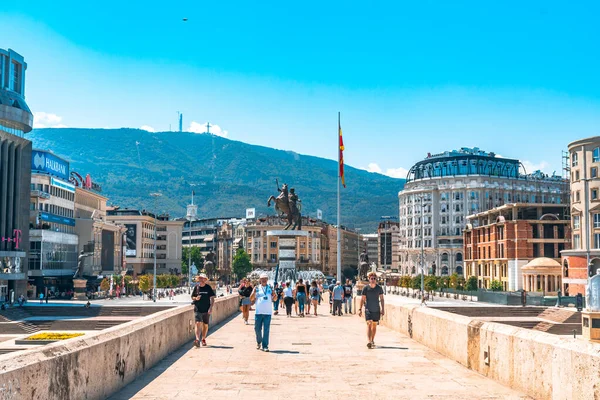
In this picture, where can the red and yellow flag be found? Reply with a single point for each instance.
(341, 156)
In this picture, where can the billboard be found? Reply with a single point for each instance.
(46, 162)
(250, 213)
(131, 240)
(107, 256)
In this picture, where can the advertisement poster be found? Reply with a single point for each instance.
(131, 240)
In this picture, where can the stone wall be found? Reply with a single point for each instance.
(539, 364)
(97, 366)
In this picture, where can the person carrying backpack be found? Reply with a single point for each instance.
(314, 295)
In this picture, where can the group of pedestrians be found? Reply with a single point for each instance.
(267, 301)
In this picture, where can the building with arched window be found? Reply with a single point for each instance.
(583, 260)
(500, 242)
(442, 189)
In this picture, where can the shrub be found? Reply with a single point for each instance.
(53, 336)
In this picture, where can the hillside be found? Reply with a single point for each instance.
(231, 175)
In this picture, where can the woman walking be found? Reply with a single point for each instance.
(301, 296)
(245, 290)
(314, 296)
(288, 299)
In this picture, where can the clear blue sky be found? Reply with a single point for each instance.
(518, 78)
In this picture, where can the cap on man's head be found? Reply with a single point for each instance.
(264, 276)
(202, 276)
(338, 282)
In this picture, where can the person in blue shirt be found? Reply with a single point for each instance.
(338, 298)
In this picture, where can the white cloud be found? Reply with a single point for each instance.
(148, 128)
(391, 172)
(47, 120)
(216, 130)
(543, 166)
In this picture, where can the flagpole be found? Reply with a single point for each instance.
(339, 227)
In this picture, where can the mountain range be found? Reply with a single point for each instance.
(229, 176)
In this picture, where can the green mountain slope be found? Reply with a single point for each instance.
(231, 175)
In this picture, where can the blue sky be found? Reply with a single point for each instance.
(517, 78)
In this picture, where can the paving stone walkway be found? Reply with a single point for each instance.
(312, 357)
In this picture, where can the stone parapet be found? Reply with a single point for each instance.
(97, 366)
(542, 365)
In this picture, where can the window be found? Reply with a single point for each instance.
(596, 155)
(597, 240)
(596, 220)
(576, 242)
(594, 172)
(594, 194)
(577, 219)
(576, 175)
(574, 159)
(577, 197)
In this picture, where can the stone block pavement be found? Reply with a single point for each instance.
(311, 357)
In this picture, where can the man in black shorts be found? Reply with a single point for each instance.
(372, 295)
(204, 298)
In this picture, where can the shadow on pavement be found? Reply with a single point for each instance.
(390, 348)
(155, 371)
(284, 352)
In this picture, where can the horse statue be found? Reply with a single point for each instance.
(287, 205)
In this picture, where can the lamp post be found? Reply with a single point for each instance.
(155, 196)
(192, 211)
(422, 252)
(358, 246)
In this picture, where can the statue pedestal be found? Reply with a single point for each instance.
(287, 253)
(79, 287)
(590, 325)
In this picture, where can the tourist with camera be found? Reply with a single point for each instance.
(263, 296)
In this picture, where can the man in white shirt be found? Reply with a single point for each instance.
(263, 296)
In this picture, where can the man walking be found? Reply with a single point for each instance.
(372, 295)
(348, 288)
(204, 298)
(264, 296)
(338, 297)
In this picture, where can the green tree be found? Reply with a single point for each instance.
(431, 283)
(496, 286)
(472, 283)
(241, 264)
(443, 282)
(196, 259)
(415, 282)
(462, 283)
(405, 281)
(145, 283)
(104, 285)
(454, 280)
(128, 284)
(117, 280)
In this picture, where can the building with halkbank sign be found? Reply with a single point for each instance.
(16, 120)
(52, 237)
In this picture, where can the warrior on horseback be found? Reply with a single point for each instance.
(288, 205)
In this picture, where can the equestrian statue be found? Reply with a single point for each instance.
(287, 205)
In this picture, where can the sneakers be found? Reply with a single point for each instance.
(245, 322)
(204, 342)
(266, 349)
(196, 343)
(257, 346)
(371, 345)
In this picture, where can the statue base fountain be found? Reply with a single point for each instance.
(79, 287)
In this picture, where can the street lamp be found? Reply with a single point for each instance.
(358, 245)
(192, 211)
(155, 196)
(422, 251)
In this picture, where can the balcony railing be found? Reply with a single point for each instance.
(40, 193)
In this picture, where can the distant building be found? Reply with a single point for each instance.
(442, 189)
(500, 242)
(583, 259)
(102, 240)
(203, 233)
(389, 246)
(139, 240)
(16, 120)
(53, 241)
(350, 246)
(264, 250)
(371, 244)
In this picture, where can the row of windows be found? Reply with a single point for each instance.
(595, 157)
(53, 209)
(54, 191)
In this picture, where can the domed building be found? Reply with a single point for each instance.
(444, 188)
(542, 274)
